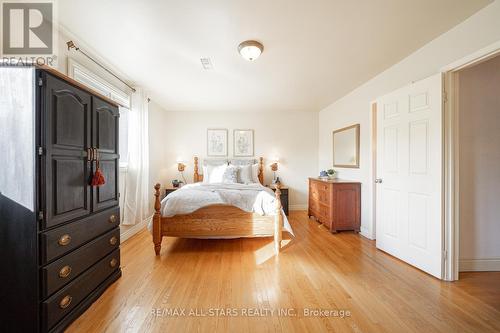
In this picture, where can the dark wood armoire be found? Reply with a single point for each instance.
(59, 235)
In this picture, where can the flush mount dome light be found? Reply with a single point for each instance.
(250, 49)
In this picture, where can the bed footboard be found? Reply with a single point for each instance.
(217, 220)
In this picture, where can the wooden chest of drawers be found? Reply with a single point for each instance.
(335, 203)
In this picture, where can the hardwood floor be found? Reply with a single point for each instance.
(316, 270)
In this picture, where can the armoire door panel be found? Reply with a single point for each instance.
(69, 120)
(107, 195)
(106, 118)
(66, 137)
(105, 139)
(70, 196)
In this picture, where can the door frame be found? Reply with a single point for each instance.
(374, 112)
(451, 164)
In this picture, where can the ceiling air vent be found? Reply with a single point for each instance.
(206, 63)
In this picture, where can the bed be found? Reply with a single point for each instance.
(220, 210)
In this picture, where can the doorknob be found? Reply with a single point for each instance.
(378, 181)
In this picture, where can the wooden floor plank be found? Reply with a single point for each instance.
(316, 270)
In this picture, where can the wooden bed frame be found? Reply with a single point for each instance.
(218, 220)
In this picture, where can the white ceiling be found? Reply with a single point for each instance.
(315, 51)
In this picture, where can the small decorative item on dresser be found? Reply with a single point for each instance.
(335, 203)
(327, 174)
(331, 173)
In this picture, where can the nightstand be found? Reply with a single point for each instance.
(170, 189)
(283, 197)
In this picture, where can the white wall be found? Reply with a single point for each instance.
(479, 31)
(479, 106)
(291, 136)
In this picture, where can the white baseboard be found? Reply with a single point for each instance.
(133, 230)
(479, 265)
(298, 207)
(366, 233)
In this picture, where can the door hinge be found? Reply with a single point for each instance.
(445, 96)
(445, 255)
(40, 151)
(40, 82)
(40, 216)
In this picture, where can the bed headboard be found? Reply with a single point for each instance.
(198, 178)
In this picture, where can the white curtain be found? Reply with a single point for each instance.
(136, 199)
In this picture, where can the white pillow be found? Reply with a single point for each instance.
(205, 175)
(213, 173)
(245, 174)
(255, 173)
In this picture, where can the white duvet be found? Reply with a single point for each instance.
(253, 198)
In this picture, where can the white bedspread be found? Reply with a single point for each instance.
(248, 197)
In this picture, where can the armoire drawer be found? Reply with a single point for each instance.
(57, 242)
(60, 304)
(67, 268)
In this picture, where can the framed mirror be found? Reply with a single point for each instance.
(346, 147)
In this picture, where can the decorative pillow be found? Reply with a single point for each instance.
(230, 175)
(214, 173)
(245, 174)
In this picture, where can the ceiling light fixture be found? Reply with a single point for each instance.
(250, 49)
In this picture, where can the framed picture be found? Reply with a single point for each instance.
(243, 143)
(216, 142)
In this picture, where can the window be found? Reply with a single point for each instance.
(81, 74)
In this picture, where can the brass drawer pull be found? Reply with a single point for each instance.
(65, 302)
(64, 240)
(113, 240)
(65, 272)
(113, 262)
(112, 219)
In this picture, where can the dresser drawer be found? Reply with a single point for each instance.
(313, 207)
(60, 304)
(324, 211)
(67, 268)
(57, 242)
(321, 196)
(319, 186)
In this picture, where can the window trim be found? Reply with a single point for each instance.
(82, 74)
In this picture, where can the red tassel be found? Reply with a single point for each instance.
(98, 178)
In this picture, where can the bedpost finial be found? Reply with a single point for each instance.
(157, 187)
(196, 175)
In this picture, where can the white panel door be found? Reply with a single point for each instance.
(409, 174)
